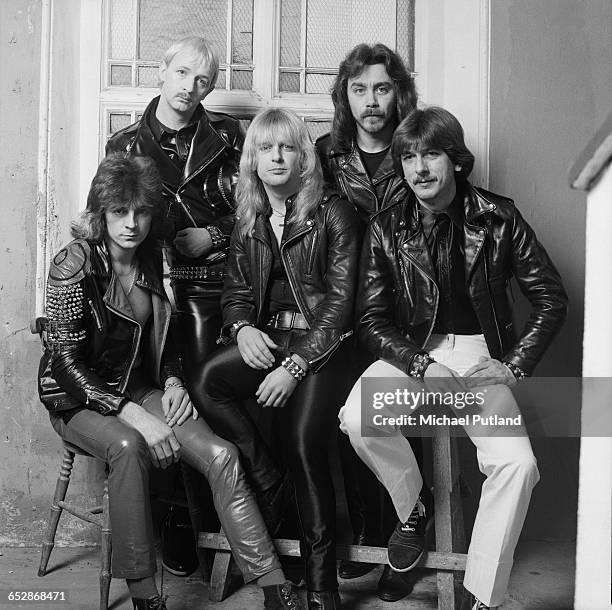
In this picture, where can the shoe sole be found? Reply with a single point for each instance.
(179, 573)
(416, 561)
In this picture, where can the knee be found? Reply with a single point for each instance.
(129, 445)
(225, 460)
(525, 467)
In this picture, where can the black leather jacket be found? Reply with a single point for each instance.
(202, 194)
(398, 296)
(321, 260)
(92, 338)
(344, 171)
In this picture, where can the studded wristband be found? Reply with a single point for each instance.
(517, 371)
(236, 326)
(419, 365)
(293, 368)
(217, 237)
(173, 384)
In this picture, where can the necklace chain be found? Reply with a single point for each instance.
(131, 279)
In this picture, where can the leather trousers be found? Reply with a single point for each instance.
(303, 428)
(125, 451)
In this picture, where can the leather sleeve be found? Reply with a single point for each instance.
(238, 300)
(377, 301)
(226, 180)
(333, 316)
(67, 311)
(540, 282)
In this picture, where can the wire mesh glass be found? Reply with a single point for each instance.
(242, 31)
(123, 27)
(148, 76)
(121, 76)
(161, 22)
(290, 32)
(332, 29)
(242, 79)
(289, 82)
(118, 120)
(318, 128)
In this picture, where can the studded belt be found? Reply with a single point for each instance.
(195, 273)
(286, 320)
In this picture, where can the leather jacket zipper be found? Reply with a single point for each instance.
(126, 377)
(486, 273)
(437, 302)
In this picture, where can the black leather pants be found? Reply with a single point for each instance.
(304, 424)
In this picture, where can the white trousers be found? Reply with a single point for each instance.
(507, 462)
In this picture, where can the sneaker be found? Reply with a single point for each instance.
(407, 542)
(279, 597)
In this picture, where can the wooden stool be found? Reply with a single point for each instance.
(448, 559)
(99, 516)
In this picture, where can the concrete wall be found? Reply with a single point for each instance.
(551, 88)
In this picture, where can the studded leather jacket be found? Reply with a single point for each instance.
(321, 259)
(201, 194)
(92, 338)
(398, 296)
(344, 171)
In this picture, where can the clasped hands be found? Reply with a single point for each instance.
(164, 448)
(255, 348)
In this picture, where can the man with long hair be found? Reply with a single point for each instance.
(288, 309)
(197, 153)
(372, 93)
(108, 355)
(433, 308)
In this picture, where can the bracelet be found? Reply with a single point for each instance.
(419, 365)
(517, 371)
(236, 326)
(173, 384)
(293, 368)
(216, 235)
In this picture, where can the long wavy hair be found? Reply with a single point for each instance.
(121, 181)
(432, 127)
(274, 125)
(343, 126)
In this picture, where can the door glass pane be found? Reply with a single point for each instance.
(140, 31)
(332, 29)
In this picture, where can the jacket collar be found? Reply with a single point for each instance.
(148, 277)
(206, 145)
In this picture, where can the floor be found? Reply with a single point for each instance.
(543, 578)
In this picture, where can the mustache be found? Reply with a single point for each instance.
(372, 112)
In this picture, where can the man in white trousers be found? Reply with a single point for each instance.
(433, 309)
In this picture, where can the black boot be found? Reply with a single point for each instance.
(394, 586)
(151, 603)
(280, 597)
(179, 555)
(324, 600)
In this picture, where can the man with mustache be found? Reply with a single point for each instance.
(433, 308)
(197, 154)
(372, 93)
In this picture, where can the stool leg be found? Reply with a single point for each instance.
(450, 536)
(106, 551)
(219, 578)
(61, 487)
